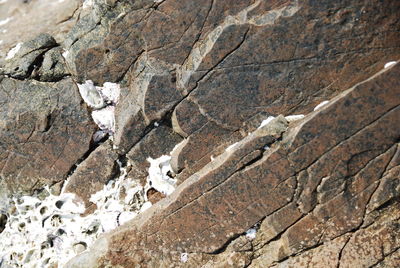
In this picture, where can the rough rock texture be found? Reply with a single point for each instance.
(44, 131)
(160, 141)
(216, 73)
(91, 176)
(310, 190)
(23, 20)
(29, 56)
(322, 191)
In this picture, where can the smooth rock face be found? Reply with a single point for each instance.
(44, 131)
(310, 190)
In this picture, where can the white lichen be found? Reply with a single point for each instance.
(13, 51)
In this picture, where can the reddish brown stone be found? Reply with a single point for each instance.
(227, 196)
(92, 174)
(44, 131)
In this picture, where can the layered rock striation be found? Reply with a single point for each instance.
(263, 133)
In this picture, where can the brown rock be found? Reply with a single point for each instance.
(228, 196)
(44, 131)
(92, 174)
(160, 141)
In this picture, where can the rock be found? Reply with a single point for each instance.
(3, 222)
(44, 131)
(53, 66)
(215, 136)
(160, 141)
(248, 63)
(25, 20)
(92, 174)
(238, 189)
(24, 60)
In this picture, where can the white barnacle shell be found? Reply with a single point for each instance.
(91, 95)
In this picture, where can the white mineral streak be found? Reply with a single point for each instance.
(5, 21)
(232, 146)
(203, 47)
(319, 106)
(295, 117)
(13, 51)
(389, 64)
(65, 54)
(49, 232)
(266, 121)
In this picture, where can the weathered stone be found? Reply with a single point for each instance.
(29, 57)
(146, 102)
(27, 19)
(266, 72)
(234, 192)
(160, 141)
(92, 174)
(44, 131)
(319, 191)
(53, 66)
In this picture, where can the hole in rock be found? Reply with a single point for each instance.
(59, 204)
(3, 222)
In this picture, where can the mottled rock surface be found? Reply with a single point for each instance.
(309, 192)
(197, 77)
(23, 20)
(91, 176)
(44, 130)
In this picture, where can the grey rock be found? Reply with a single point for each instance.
(28, 57)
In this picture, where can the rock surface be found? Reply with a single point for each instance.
(44, 131)
(91, 176)
(308, 192)
(312, 186)
(22, 20)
